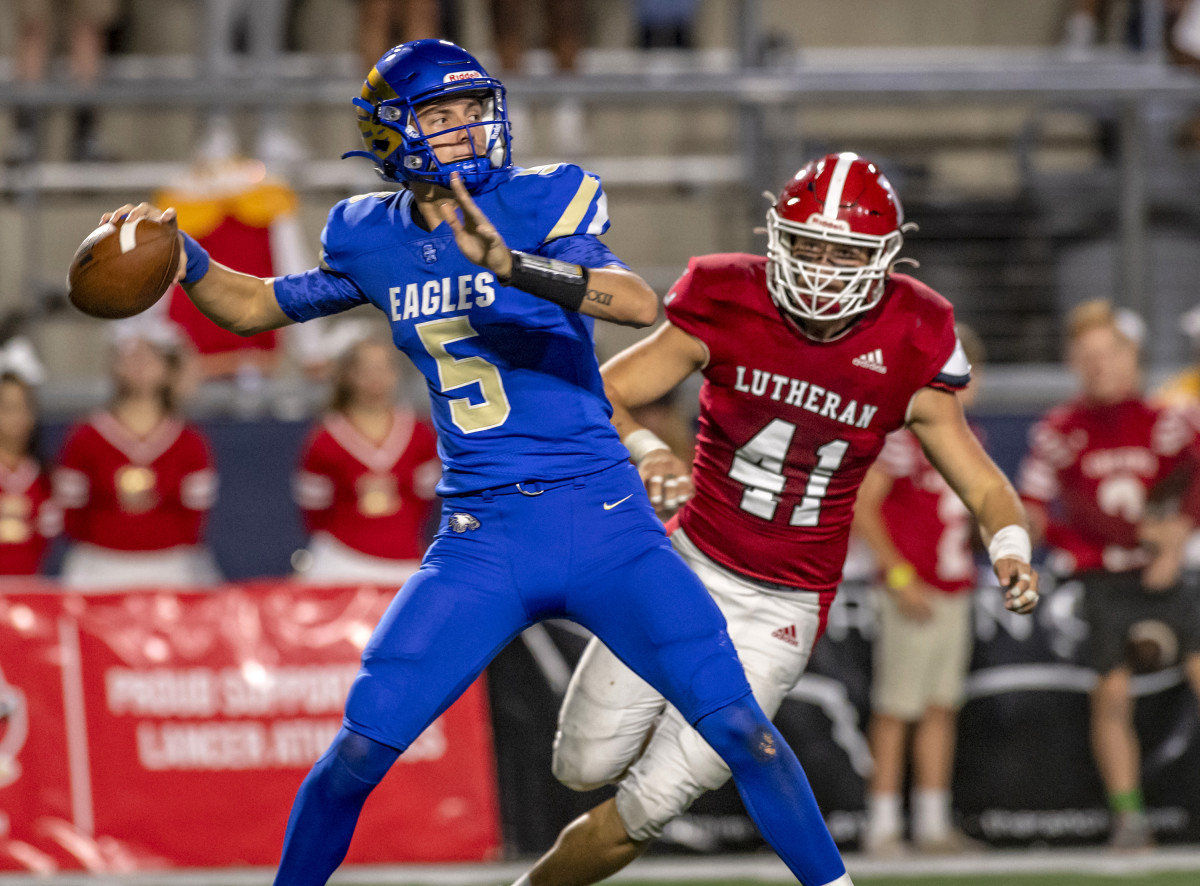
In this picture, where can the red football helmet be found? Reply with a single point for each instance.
(844, 200)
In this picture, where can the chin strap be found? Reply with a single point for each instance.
(381, 168)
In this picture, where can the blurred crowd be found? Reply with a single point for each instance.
(233, 34)
(252, 37)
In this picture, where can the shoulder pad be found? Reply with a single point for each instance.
(378, 195)
(569, 200)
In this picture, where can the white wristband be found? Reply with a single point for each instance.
(641, 443)
(1011, 541)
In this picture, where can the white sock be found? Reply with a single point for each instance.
(883, 817)
(522, 880)
(931, 815)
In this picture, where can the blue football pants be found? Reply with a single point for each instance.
(588, 549)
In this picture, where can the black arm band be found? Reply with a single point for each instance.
(557, 281)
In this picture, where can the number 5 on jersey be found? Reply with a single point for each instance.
(758, 465)
(457, 372)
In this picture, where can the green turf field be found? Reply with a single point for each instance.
(1174, 866)
(1159, 878)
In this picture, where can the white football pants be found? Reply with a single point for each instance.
(614, 726)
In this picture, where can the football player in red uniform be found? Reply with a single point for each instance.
(811, 355)
(1098, 479)
(920, 533)
(367, 476)
(135, 481)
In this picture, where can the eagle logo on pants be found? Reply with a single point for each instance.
(461, 522)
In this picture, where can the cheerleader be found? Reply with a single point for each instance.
(135, 481)
(366, 478)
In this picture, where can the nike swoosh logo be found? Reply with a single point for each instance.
(609, 507)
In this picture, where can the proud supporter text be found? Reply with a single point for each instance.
(289, 715)
(250, 690)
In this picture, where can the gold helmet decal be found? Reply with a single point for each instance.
(379, 139)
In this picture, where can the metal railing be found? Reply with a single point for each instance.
(1122, 86)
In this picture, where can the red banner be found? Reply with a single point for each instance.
(148, 730)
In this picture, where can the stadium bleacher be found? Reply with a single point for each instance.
(988, 110)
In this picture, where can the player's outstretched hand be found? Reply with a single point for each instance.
(474, 233)
(151, 212)
(1020, 581)
(668, 482)
(142, 210)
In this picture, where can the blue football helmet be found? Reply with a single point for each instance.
(410, 75)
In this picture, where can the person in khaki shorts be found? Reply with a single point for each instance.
(920, 533)
(40, 23)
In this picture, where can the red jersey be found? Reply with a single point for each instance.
(1093, 468)
(29, 518)
(375, 499)
(788, 425)
(129, 493)
(926, 520)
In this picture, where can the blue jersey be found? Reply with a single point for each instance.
(514, 387)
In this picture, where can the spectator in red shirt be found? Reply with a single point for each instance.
(367, 476)
(1098, 482)
(135, 481)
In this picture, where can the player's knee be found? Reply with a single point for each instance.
(578, 780)
(583, 765)
(660, 789)
(354, 764)
(646, 808)
(642, 821)
(741, 734)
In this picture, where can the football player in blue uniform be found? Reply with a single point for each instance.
(491, 276)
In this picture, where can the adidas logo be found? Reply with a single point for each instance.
(872, 360)
(787, 635)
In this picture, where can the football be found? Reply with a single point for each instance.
(122, 268)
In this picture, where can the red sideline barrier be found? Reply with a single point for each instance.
(161, 729)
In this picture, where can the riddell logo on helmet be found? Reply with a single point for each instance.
(462, 75)
(833, 224)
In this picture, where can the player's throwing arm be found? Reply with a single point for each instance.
(241, 303)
